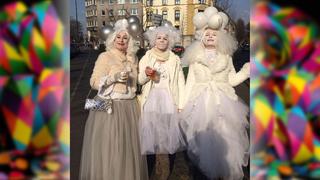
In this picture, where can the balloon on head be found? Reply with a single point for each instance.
(133, 19)
(209, 11)
(107, 30)
(200, 20)
(134, 29)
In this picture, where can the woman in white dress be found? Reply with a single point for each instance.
(161, 75)
(214, 119)
(111, 146)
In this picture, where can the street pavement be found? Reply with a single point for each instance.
(81, 69)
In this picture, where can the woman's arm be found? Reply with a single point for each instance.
(181, 85)
(99, 72)
(142, 77)
(237, 78)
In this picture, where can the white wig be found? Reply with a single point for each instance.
(121, 26)
(174, 35)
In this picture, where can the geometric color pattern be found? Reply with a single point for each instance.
(34, 104)
(284, 93)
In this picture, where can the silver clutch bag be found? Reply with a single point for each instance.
(98, 104)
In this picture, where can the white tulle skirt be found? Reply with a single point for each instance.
(159, 126)
(216, 135)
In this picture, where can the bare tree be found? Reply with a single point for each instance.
(74, 35)
(224, 5)
(240, 30)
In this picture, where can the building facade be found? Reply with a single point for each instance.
(179, 12)
(100, 13)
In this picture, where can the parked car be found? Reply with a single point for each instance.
(178, 50)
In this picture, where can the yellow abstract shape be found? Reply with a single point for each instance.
(22, 132)
(43, 138)
(21, 7)
(263, 112)
(58, 39)
(317, 152)
(38, 40)
(44, 74)
(303, 154)
(11, 51)
(296, 81)
(26, 56)
(65, 133)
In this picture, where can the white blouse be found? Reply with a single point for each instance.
(164, 76)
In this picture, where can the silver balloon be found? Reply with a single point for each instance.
(107, 30)
(133, 19)
(166, 23)
(134, 29)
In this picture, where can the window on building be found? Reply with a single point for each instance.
(177, 1)
(111, 12)
(164, 2)
(111, 1)
(102, 2)
(149, 2)
(121, 12)
(121, 1)
(134, 11)
(149, 15)
(103, 13)
(134, 1)
(177, 27)
(200, 10)
(103, 23)
(177, 15)
(165, 14)
(202, 1)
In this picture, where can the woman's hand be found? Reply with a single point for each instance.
(152, 74)
(149, 71)
(246, 68)
(121, 76)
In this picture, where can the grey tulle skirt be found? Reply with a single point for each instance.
(111, 147)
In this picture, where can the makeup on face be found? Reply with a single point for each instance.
(209, 38)
(121, 41)
(162, 41)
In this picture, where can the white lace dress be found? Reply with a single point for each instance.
(159, 129)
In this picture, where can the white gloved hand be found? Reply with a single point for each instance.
(246, 69)
(121, 76)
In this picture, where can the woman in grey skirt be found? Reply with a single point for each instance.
(111, 147)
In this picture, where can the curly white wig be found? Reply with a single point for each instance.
(120, 26)
(174, 35)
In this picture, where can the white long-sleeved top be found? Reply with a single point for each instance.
(215, 74)
(175, 77)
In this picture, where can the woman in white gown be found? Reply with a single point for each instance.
(162, 78)
(214, 120)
